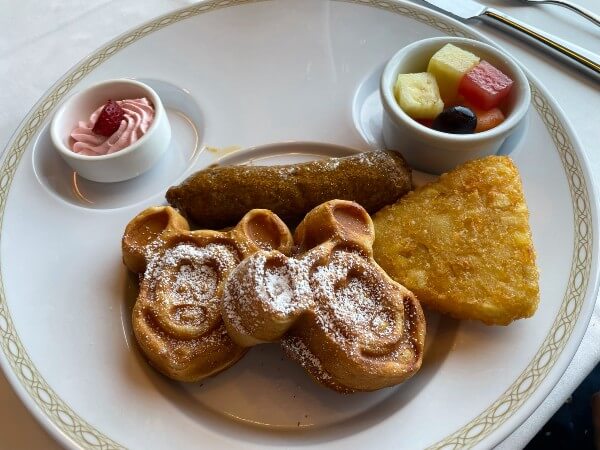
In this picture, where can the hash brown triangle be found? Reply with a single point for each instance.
(463, 244)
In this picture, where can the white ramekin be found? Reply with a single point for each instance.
(433, 151)
(124, 164)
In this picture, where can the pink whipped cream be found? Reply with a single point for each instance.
(139, 114)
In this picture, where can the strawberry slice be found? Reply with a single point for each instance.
(109, 119)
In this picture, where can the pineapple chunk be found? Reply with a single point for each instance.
(418, 95)
(449, 64)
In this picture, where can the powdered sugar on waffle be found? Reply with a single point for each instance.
(278, 287)
(188, 275)
(286, 287)
(346, 304)
(282, 288)
(297, 349)
(352, 299)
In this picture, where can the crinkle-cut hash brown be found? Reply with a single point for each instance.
(463, 245)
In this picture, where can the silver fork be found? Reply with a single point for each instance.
(594, 18)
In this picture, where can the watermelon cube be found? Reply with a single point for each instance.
(449, 65)
(485, 86)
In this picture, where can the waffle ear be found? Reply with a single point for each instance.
(266, 231)
(144, 230)
(336, 219)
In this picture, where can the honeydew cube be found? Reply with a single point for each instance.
(449, 64)
(418, 95)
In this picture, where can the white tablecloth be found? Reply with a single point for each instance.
(40, 40)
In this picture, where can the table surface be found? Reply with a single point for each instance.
(41, 40)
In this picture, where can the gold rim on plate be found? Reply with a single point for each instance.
(87, 436)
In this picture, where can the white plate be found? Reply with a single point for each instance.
(238, 74)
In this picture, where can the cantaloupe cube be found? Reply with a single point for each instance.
(418, 95)
(449, 64)
(486, 118)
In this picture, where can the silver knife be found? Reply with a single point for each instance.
(470, 9)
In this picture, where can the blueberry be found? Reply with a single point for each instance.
(456, 120)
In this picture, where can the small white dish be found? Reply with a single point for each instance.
(125, 164)
(65, 298)
(435, 151)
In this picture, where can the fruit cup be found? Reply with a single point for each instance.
(434, 151)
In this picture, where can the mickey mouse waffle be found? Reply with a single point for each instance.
(333, 308)
(177, 316)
